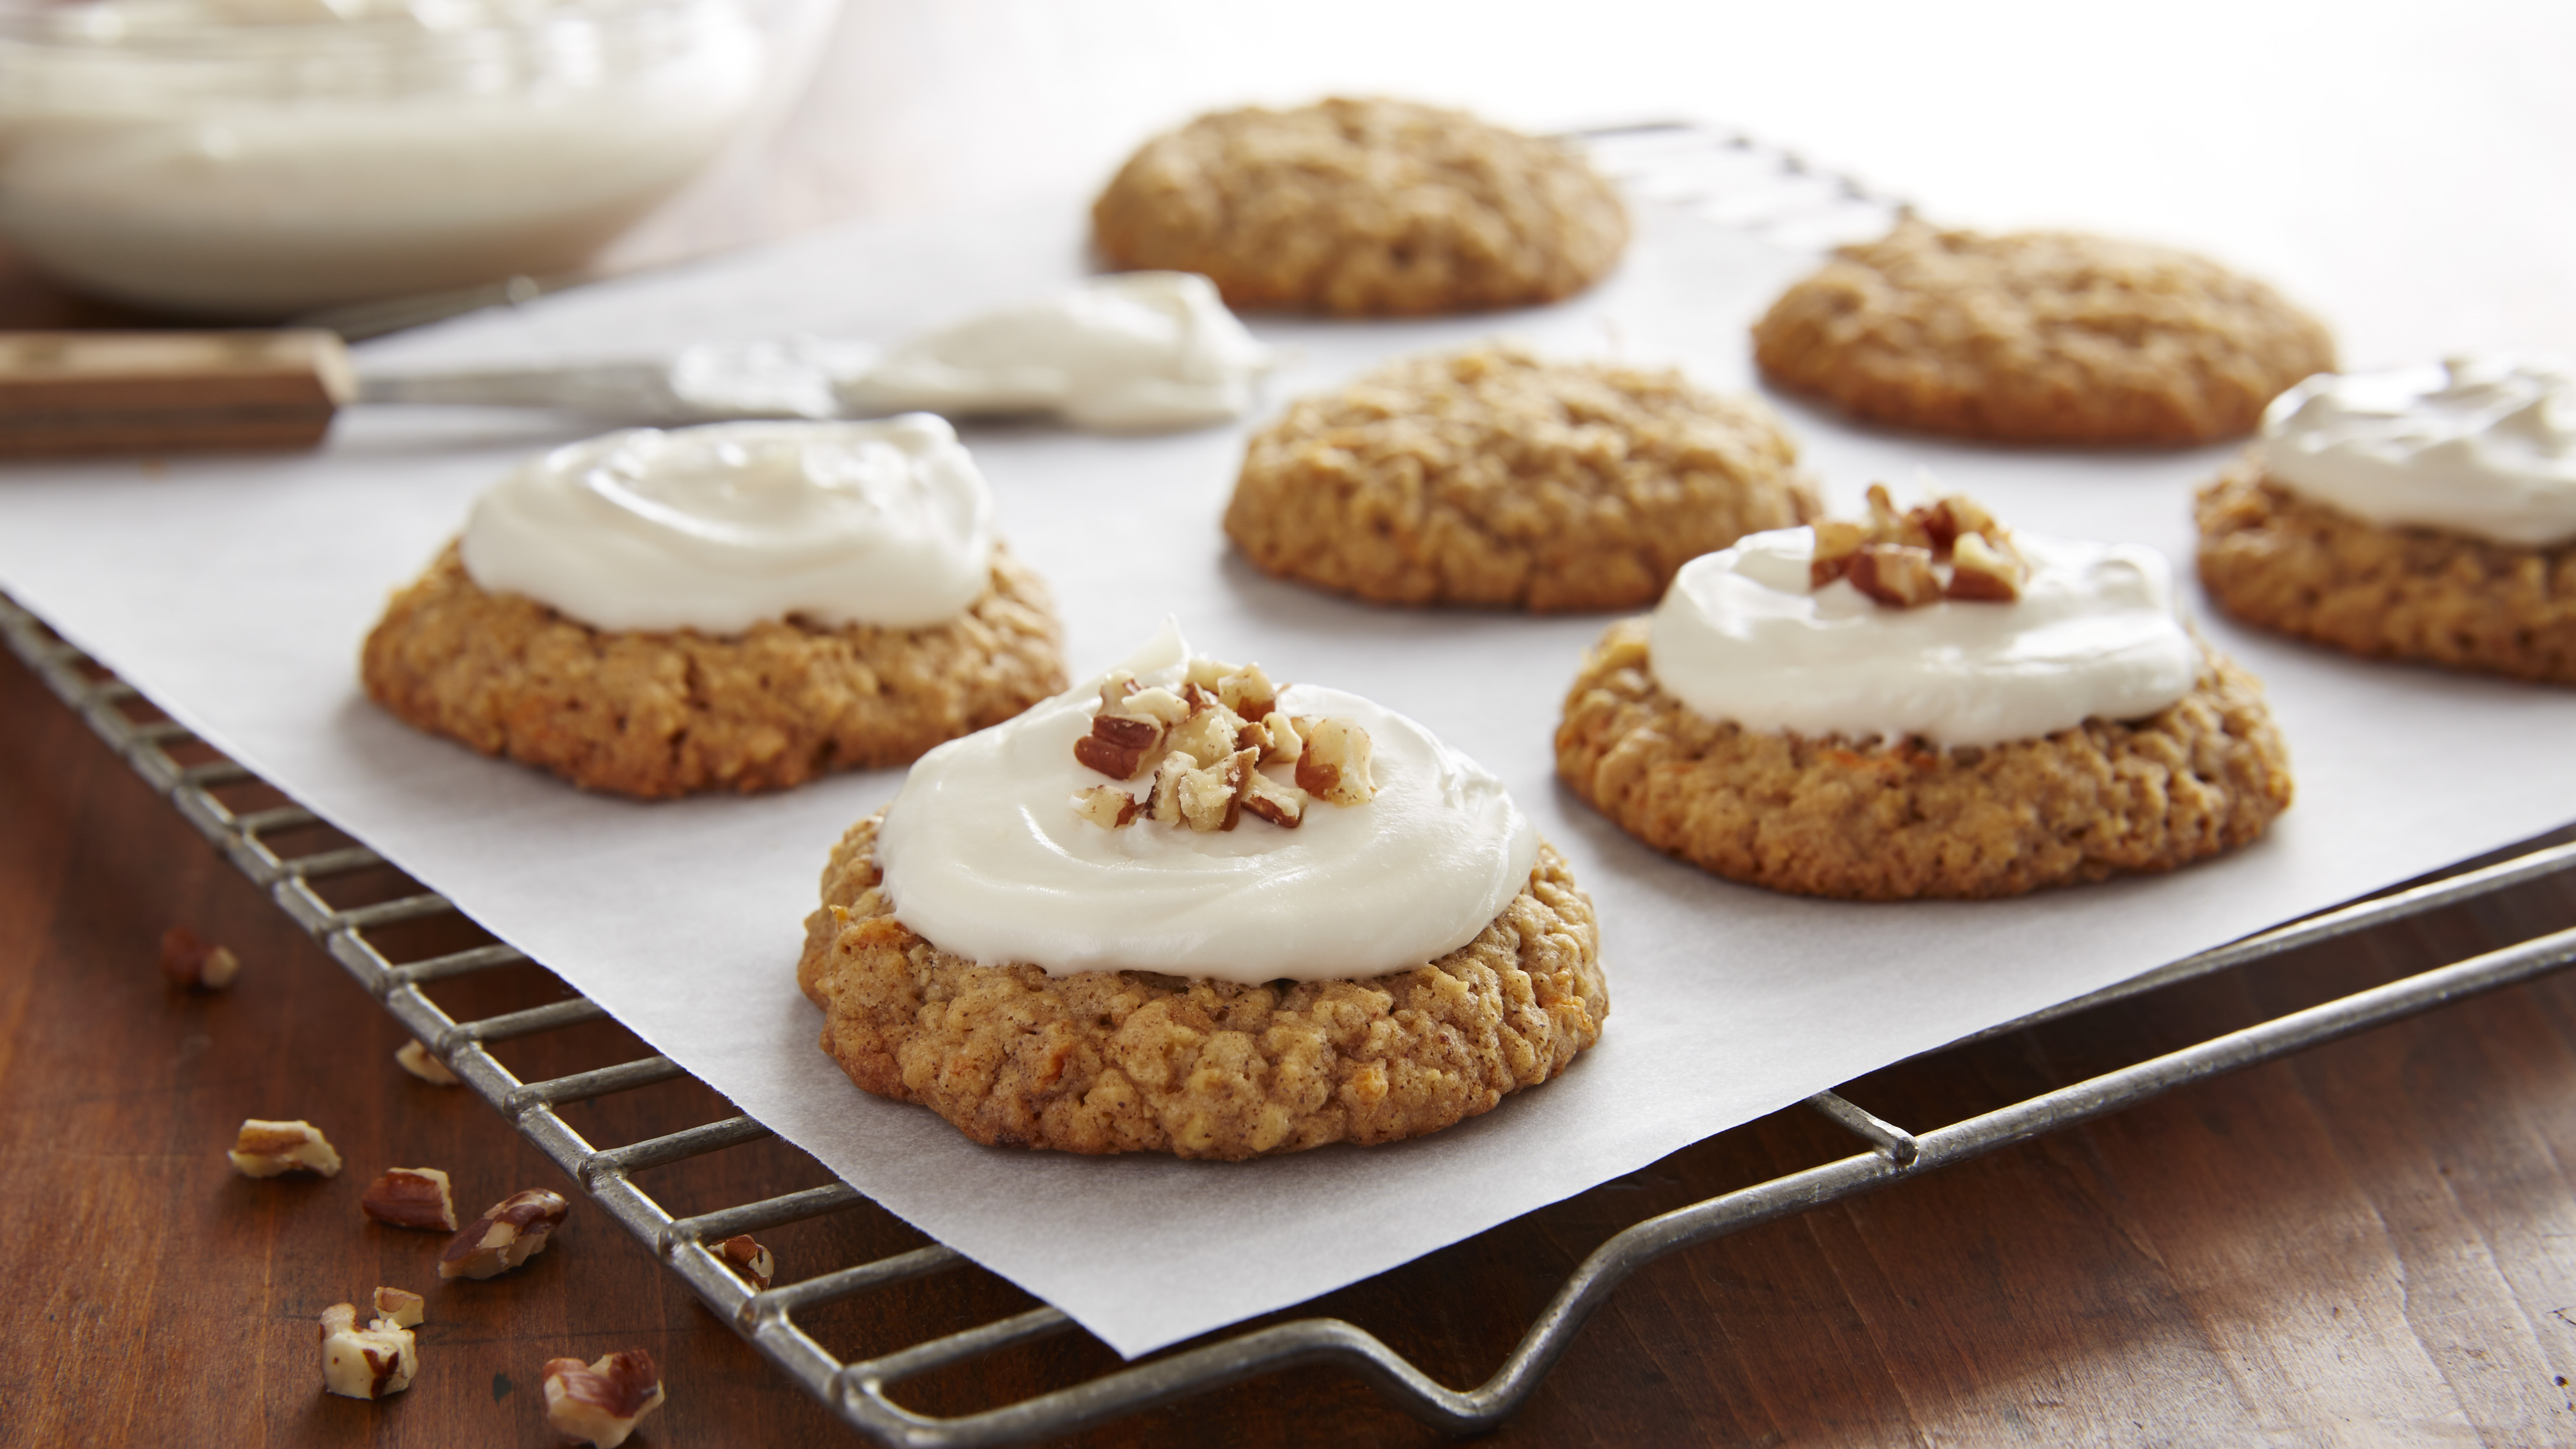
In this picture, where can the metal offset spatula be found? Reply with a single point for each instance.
(64, 393)
(1128, 352)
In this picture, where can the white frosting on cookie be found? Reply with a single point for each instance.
(717, 528)
(1740, 636)
(984, 856)
(1137, 352)
(2480, 446)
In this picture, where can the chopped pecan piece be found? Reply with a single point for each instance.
(1281, 742)
(1166, 794)
(1157, 703)
(420, 1062)
(1946, 520)
(1211, 799)
(193, 964)
(599, 1402)
(1896, 574)
(1212, 731)
(1334, 767)
(1981, 572)
(750, 1259)
(1248, 692)
(411, 1197)
(1106, 806)
(1281, 805)
(265, 1149)
(401, 1307)
(369, 1362)
(1118, 744)
(1885, 525)
(1837, 544)
(512, 1232)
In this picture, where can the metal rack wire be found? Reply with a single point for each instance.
(1734, 179)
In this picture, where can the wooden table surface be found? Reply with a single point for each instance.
(2374, 1242)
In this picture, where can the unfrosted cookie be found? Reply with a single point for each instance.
(655, 713)
(2275, 559)
(1902, 821)
(1128, 1061)
(1363, 207)
(2042, 337)
(1491, 477)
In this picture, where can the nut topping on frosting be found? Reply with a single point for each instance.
(989, 853)
(1206, 744)
(1335, 764)
(1106, 806)
(1896, 558)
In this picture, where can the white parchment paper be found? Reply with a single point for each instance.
(235, 594)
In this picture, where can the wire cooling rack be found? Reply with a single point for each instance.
(1736, 180)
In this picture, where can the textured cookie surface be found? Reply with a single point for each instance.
(660, 714)
(2275, 559)
(1490, 477)
(2051, 337)
(1877, 821)
(1363, 208)
(1126, 1061)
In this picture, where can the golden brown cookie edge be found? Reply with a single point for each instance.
(1778, 809)
(651, 714)
(893, 1005)
(2277, 560)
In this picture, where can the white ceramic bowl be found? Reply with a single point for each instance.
(259, 158)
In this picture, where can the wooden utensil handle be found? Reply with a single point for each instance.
(160, 392)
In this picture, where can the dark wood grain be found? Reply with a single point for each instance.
(2369, 1242)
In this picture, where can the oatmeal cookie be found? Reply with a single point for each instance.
(2283, 562)
(1490, 477)
(1363, 208)
(1904, 821)
(2039, 337)
(658, 714)
(1129, 1061)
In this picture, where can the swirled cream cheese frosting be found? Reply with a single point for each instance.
(716, 528)
(984, 855)
(2481, 446)
(1138, 352)
(1742, 635)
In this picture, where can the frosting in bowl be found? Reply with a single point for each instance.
(260, 158)
(984, 856)
(1742, 636)
(1137, 352)
(2479, 446)
(717, 528)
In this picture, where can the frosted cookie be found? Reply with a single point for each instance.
(2427, 513)
(1491, 477)
(1921, 706)
(743, 606)
(1363, 208)
(1182, 910)
(2038, 337)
